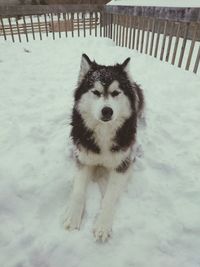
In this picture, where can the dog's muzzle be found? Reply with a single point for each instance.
(106, 113)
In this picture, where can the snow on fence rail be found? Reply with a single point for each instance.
(170, 34)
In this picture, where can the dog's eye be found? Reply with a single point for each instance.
(115, 93)
(97, 93)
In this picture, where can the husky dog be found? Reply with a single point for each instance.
(104, 123)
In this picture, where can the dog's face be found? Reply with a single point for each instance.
(104, 94)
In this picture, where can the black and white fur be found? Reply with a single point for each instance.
(104, 123)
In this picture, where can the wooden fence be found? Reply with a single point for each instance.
(169, 34)
(32, 21)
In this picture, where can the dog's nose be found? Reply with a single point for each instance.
(107, 113)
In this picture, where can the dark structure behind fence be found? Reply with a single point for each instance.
(161, 32)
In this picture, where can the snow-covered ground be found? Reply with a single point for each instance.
(158, 217)
(164, 3)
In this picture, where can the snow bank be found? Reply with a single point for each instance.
(157, 221)
(166, 3)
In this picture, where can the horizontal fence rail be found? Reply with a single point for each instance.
(169, 13)
(12, 11)
(169, 34)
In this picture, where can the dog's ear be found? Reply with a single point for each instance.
(85, 63)
(85, 66)
(125, 64)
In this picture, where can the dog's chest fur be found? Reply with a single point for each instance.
(104, 135)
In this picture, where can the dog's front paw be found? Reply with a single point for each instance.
(73, 220)
(102, 232)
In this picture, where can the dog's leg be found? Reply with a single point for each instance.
(77, 201)
(102, 182)
(103, 225)
(101, 176)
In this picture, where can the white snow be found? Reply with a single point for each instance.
(157, 220)
(164, 3)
